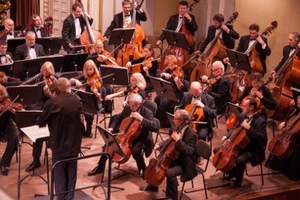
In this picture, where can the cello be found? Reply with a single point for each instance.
(215, 50)
(134, 49)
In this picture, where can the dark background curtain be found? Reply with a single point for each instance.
(24, 9)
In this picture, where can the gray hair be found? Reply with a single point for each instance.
(183, 114)
(135, 98)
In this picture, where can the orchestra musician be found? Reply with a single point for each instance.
(254, 151)
(149, 66)
(29, 50)
(62, 115)
(73, 26)
(205, 101)
(261, 47)
(37, 26)
(5, 57)
(8, 130)
(220, 90)
(92, 81)
(143, 142)
(9, 31)
(174, 74)
(290, 165)
(288, 50)
(176, 21)
(184, 166)
(123, 19)
(228, 35)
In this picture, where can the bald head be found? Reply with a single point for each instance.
(195, 88)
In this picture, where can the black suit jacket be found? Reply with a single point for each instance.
(285, 55)
(228, 38)
(4, 37)
(149, 124)
(258, 138)
(10, 54)
(117, 21)
(263, 53)
(69, 31)
(21, 51)
(43, 34)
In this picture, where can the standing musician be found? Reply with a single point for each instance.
(62, 115)
(149, 66)
(261, 47)
(176, 21)
(73, 27)
(184, 166)
(290, 165)
(261, 93)
(29, 50)
(93, 83)
(5, 57)
(123, 19)
(37, 26)
(143, 142)
(9, 31)
(175, 75)
(228, 34)
(254, 151)
(207, 103)
(8, 130)
(288, 50)
(220, 90)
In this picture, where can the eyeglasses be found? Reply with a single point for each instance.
(213, 70)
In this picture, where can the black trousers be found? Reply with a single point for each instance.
(172, 182)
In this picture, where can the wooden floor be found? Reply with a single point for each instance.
(129, 179)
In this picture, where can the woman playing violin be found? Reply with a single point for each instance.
(8, 130)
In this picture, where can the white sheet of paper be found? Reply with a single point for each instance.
(35, 132)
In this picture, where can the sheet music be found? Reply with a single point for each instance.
(35, 132)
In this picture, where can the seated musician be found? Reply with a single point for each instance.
(37, 26)
(8, 130)
(30, 49)
(254, 151)
(148, 67)
(261, 93)
(289, 166)
(5, 57)
(220, 90)
(93, 83)
(174, 74)
(144, 142)
(184, 165)
(207, 103)
(9, 31)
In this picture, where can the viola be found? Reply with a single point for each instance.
(106, 58)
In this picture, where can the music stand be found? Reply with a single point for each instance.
(239, 60)
(52, 44)
(170, 117)
(176, 39)
(27, 94)
(26, 68)
(74, 62)
(296, 93)
(67, 75)
(164, 88)
(233, 109)
(12, 44)
(7, 69)
(121, 36)
(114, 75)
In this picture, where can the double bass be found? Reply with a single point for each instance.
(215, 50)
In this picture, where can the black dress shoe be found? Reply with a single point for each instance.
(149, 187)
(33, 165)
(4, 171)
(237, 184)
(227, 176)
(96, 170)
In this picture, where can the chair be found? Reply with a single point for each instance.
(261, 173)
(203, 150)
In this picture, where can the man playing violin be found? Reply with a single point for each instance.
(123, 19)
(220, 90)
(175, 22)
(73, 27)
(202, 100)
(184, 166)
(144, 141)
(8, 130)
(254, 151)
(261, 47)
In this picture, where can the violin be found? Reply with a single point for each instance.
(7, 105)
(2, 75)
(106, 58)
(94, 82)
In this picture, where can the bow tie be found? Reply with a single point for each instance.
(180, 17)
(38, 29)
(292, 48)
(196, 97)
(9, 33)
(31, 47)
(251, 39)
(127, 15)
(1, 55)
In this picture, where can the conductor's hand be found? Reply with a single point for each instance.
(137, 116)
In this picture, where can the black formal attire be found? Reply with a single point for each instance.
(5, 61)
(184, 165)
(14, 34)
(41, 30)
(117, 21)
(268, 101)
(22, 51)
(255, 149)
(62, 114)
(221, 93)
(8, 133)
(69, 32)
(228, 38)
(285, 55)
(263, 53)
(210, 112)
